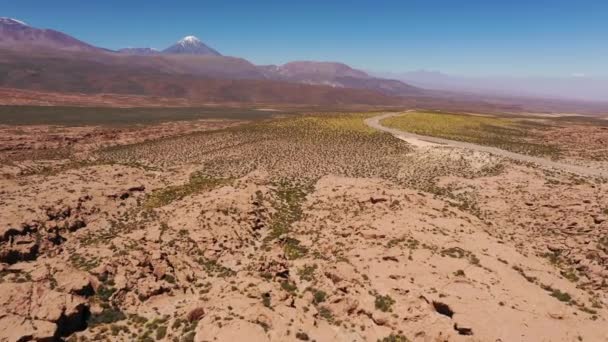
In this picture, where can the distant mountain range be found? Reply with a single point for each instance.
(51, 61)
(336, 75)
(41, 53)
(576, 87)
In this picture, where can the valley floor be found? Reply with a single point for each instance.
(306, 228)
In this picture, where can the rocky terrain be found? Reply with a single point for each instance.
(307, 228)
(49, 142)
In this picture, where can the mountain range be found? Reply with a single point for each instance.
(49, 60)
(575, 87)
(46, 60)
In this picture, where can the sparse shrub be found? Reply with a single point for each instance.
(107, 316)
(459, 253)
(384, 303)
(570, 274)
(215, 268)
(318, 296)
(189, 337)
(169, 279)
(293, 249)
(266, 300)
(394, 338)
(326, 313)
(289, 287)
(561, 296)
(198, 182)
(302, 336)
(307, 272)
(523, 274)
(161, 332)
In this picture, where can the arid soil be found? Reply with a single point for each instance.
(309, 228)
(20, 97)
(56, 142)
(582, 144)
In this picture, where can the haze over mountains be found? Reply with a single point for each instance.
(139, 51)
(49, 60)
(577, 86)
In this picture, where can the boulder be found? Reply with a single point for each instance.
(23, 329)
(15, 298)
(21, 248)
(74, 282)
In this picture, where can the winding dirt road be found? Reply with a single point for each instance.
(419, 140)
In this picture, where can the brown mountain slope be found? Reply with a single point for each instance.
(14, 32)
(319, 69)
(133, 75)
(29, 59)
(31, 51)
(338, 75)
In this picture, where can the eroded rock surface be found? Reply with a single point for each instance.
(432, 244)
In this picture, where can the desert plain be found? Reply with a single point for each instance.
(279, 225)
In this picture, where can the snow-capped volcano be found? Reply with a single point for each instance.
(11, 21)
(191, 45)
(189, 40)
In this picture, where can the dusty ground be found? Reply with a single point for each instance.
(581, 144)
(310, 228)
(497, 145)
(54, 142)
(566, 139)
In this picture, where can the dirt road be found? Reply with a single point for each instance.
(420, 140)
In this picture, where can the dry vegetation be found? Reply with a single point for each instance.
(301, 148)
(304, 228)
(579, 140)
(512, 134)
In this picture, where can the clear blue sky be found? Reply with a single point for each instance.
(475, 37)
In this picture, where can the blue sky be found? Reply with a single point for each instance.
(490, 37)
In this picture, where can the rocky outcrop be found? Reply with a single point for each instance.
(24, 242)
(76, 282)
(19, 247)
(40, 313)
